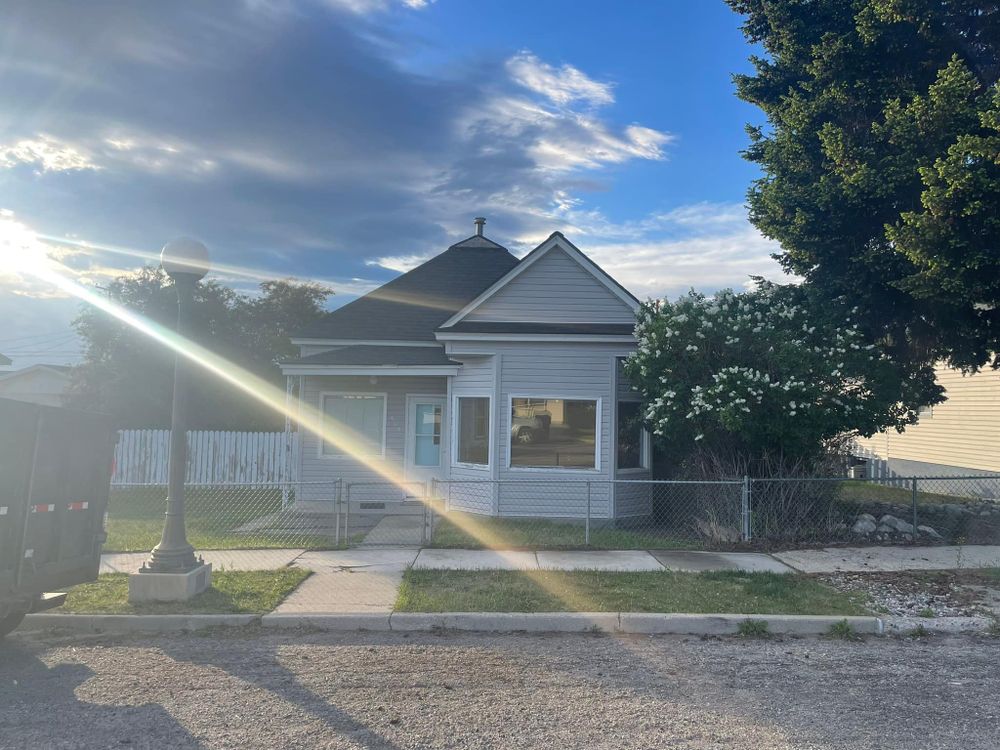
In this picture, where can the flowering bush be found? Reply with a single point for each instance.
(766, 378)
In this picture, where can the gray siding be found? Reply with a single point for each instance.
(317, 468)
(583, 371)
(554, 289)
(472, 490)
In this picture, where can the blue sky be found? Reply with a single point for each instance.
(347, 140)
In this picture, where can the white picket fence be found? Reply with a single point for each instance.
(251, 458)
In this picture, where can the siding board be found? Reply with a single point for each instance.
(962, 433)
(554, 289)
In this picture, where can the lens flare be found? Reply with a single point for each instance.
(35, 261)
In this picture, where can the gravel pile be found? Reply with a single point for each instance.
(913, 594)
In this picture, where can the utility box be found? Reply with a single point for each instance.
(55, 474)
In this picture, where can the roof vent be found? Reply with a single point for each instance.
(480, 222)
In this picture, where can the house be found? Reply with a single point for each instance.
(499, 376)
(39, 384)
(960, 437)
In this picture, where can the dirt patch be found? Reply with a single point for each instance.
(946, 593)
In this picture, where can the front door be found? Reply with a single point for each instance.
(424, 438)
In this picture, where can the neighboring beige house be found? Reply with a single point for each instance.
(39, 384)
(959, 436)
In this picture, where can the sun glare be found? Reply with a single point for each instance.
(21, 253)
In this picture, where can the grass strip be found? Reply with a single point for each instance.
(599, 591)
(232, 592)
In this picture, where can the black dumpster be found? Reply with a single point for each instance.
(55, 471)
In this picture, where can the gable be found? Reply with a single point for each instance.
(555, 288)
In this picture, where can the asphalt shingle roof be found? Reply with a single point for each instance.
(412, 306)
(365, 355)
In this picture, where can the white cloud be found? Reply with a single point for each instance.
(563, 85)
(363, 7)
(46, 153)
(400, 263)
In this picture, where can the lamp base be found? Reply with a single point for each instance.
(169, 587)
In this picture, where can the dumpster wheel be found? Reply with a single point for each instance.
(11, 621)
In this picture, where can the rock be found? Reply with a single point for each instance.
(896, 524)
(864, 526)
(929, 531)
(885, 530)
(867, 517)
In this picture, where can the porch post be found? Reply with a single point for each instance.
(286, 480)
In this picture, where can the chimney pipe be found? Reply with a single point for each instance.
(479, 221)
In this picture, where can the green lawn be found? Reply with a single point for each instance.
(469, 531)
(898, 494)
(592, 591)
(234, 592)
(213, 516)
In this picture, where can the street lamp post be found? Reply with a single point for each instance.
(186, 262)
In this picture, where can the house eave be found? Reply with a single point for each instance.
(431, 370)
(559, 337)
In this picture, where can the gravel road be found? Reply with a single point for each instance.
(250, 689)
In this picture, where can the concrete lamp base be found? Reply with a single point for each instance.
(169, 587)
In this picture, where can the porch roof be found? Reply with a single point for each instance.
(377, 356)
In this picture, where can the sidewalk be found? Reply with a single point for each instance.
(366, 580)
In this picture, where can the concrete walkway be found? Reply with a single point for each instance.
(891, 559)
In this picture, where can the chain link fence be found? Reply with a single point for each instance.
(926, 510)
(574, 513)
(227, 516)
(725, 514)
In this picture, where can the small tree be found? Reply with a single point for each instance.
(762, 381)
(130, 376)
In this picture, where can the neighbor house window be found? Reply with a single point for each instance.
(631, 436)
(473, 430)
(354, 423)
(553, 433)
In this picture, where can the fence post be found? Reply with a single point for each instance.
(745, 508)
(913, 501)
(338, 500)
(586, 525)
(427, 499)
(347, 519)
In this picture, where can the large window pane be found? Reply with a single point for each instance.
(474, 430)
(355, 422)
(553, 432)
(630, 453)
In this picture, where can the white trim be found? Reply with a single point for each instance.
(409, 446)
(357, 342)
(531, 258)
(369, 370)
(569, 338)
(597, 433)
(455, 431)
(322, 418)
